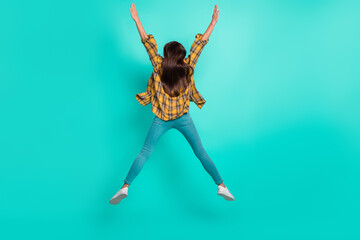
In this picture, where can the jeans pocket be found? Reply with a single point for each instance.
(158, 120)
(185, 119)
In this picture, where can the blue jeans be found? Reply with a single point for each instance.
(187, 127)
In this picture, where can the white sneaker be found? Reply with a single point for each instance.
(225, 193)
(122, 193)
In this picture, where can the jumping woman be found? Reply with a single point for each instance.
(170, 89)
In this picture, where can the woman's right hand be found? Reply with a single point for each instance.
(215, 15)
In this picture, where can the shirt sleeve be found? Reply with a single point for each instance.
(196, 49)
(152, 48)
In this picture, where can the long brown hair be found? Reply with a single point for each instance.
(175, 74)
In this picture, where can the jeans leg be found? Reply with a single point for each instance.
(156, 130)
(189, 131)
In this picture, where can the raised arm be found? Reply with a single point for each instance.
(147, 39)
(214, 20)
(135, 17)
(202, 39)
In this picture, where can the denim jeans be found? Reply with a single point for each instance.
(187, 127)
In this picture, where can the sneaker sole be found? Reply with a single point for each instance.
(117, 199)
(226, 197)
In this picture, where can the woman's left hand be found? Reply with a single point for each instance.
(133, 12)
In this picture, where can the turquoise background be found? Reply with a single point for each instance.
(281, 121)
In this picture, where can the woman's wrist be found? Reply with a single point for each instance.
(137, 20)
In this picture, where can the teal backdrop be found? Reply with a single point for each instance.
(281, 121)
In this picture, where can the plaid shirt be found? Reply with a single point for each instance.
(162, 105)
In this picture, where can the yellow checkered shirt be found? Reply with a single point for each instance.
(162, 105)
